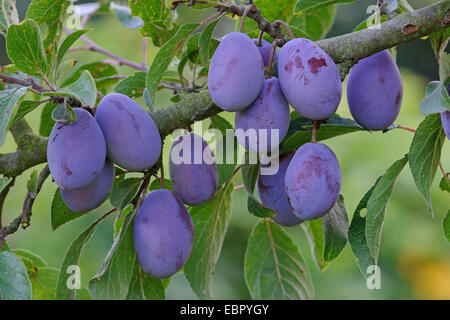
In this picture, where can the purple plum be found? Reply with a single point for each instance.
(192, 169)
(375, 91)
(236, 73)
(163, 234)
(270, 111)
(309, 79)
(90, 197)
(76, 153)
(271, 192)
(132, 137)
(313, 181)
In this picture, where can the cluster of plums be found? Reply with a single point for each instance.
(81, 155)
(81, 158)
(308, 182)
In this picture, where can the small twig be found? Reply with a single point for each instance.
(277, 24)
(24, 218)
(36, 88)
(92, 46)
(239, 187)
(444, 175)
(144, 185)
(29, 199)
(3, 195)
(378, 12)
(211, 18)
(144, 51)
(246, 11)
(406, 128)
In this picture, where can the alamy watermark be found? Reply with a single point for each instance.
(263, 144)
(374, 279)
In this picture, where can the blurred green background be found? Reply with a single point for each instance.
(414, 257)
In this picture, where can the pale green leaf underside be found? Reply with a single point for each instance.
(274, 267)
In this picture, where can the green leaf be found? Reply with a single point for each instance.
(32, 184)
(72, 258)
(125, 192)
(305, 6)
(250, 175)
(370, 21)
(156, 184)
(147, 100)
(47, 123)
(376, 206)
(4, 181)
(299, 131)
(83, 89)
(52, 13)
(14, 281)
(60, 214)
(335, 230)
(100, 71)
(123, 13)
(64, 113)
(435, 100)
(446, 224)
(164, 56)
(25, 48)
(119, 276)
(68, 42)
(25, 107)
(8, 100)
(144, 287)
(357, 234)
(444, 70)
(133, 85)
(156, 17)
(424, 154)
(204, 42)
(43, 280)
(211, 221)
(8, 15)
(37, 260)
(314, 233)
(444, 184)
(274, 268)
(316, 23)
(225, 169)
(439, 41)
(274, 10)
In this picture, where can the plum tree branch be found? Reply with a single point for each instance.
(346, 50)
(92, 46)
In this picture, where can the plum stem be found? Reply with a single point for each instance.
(272, 54)
(246, 11)
(279, 23)
(406, 128)
(162, 180)
(314, 131)
(260, 37)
